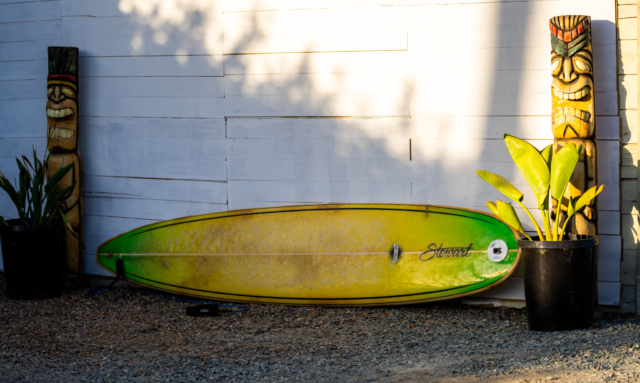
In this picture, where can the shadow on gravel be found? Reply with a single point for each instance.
(135, 335)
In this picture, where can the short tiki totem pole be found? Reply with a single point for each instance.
(573, 110)
(62, 142)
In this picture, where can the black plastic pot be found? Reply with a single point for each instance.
(560, 282)
(32, 257)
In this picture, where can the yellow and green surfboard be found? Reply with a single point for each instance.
(330, 255)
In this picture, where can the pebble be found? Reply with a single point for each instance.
(138, 336)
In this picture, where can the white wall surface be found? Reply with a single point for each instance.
(194, 106)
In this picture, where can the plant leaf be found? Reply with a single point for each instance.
(562, 166)
(492, 206)
(508, 214)
(502, 184)
(53, 182)
(3, 222)
(547, 154)
(588, 196)
(532, 165)
(68, 225)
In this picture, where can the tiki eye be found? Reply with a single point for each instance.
(581, 65)
(556, 64)
(68, 92)
(49, 92)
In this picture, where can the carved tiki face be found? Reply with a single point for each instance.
(62, 100)
(572, 69)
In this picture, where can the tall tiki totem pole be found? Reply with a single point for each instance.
(62, 142)
(573, 110)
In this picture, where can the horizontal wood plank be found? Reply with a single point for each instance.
(458, 60)
(505, 11)
(629, 267)
(609, 293)
(146, 208)
(319, 191)
(109, 226)
(628, 65)
(237, 205)
(152, 147)
(608, 269)
(628, 29)
(178, 128)
(607, 128)
(630, 197)
(168, 190)
(165, 66)
(17, 146)
(609, 199)
(629, 294)
(32, 11)
(29, 50)
(204, 25)
(169, 11)
(630, 227)
(608, 174)
(161, 168)
(24, 70)
(606, 104)
(280, 5)
(529, 127)
(39, 30)
(15, 126)
(626, 11)
(628, 48)
(610, 246)
(306, 31)
(283, 149)
(176, 45)
(609, 223)
(533, 81)
(629, 171)
(608, 152)
(628, 85)
(323, 62)
(151, 107)
(153, 87)
(630, 158)
(629, 126)
(317, 105)
(23, 89)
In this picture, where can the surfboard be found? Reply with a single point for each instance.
(330, 255)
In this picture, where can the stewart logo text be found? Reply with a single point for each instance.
(445, 252)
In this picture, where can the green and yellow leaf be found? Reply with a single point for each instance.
(502, 184)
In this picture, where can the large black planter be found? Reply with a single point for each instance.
(559, 282)
(32, 257)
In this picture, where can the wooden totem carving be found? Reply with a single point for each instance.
(62, 142)
(573, 109)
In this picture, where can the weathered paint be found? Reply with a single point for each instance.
(317, 254)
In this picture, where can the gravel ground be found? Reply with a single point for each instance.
(138, 336)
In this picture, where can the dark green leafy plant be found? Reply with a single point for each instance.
(38, 201)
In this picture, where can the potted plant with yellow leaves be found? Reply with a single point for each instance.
(33, 243)
(559, 269)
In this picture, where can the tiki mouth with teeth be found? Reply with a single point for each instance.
(572, 95)
(577, 113)
(572, 123)
(59, 113)
(575, 90)
(61, 133)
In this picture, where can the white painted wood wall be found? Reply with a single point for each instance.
(194, 106)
